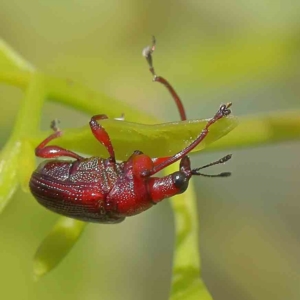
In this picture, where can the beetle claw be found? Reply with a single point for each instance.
(147, 53)
(224, 109)
(54, 125)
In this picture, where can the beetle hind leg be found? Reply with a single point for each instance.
(54, 151)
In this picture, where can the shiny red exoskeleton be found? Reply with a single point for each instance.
(106, 191)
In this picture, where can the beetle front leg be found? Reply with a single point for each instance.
(54, 151)
(102, 136)
(222, 112)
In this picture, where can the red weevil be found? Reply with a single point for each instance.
(106, 191)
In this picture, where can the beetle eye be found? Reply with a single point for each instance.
(181, 181)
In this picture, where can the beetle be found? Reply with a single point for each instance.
(103, 190)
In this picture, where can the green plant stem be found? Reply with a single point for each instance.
(256, 130)
(186, 281)
(11, 60)
(15, 78)
(14, 157)
(8, 171)
(75, 95)
(252, 130)
(30, 112)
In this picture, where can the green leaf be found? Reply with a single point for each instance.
(127, 137)
(57, 245)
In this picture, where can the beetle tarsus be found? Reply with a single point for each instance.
(147, 53)
(222, 112)
(224, 109)
(54, 125)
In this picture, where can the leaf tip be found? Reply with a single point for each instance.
(40, 268)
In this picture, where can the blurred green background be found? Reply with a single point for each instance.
(247, 52)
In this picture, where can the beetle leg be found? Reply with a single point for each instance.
(102, 136)
(222, 112)
(147, 53)
(158, 160)
(53, 151)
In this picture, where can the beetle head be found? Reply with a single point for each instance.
(177, 182)
(181, 178)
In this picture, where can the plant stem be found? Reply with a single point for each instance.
(186, 281)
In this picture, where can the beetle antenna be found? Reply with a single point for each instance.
(224, 174)
(217, 162)
(147, 53)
